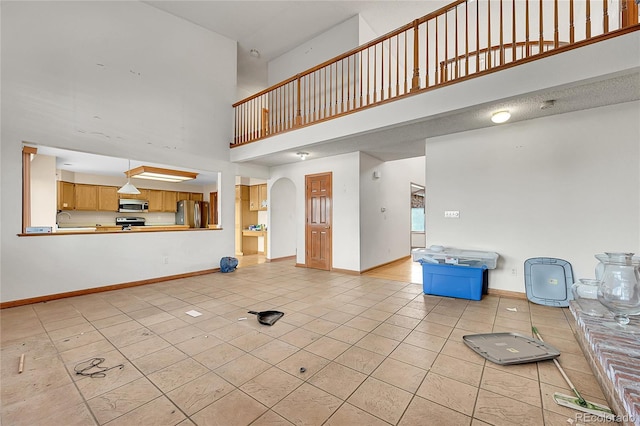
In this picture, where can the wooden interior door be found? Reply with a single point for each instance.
(318, 221)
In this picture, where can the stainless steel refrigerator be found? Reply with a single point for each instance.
(195, 214)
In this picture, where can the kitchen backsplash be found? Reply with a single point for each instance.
(78, 218)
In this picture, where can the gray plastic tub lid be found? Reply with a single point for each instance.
(548, 281)
(510, 348)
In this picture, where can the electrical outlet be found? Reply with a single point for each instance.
(165, 260)
(452, 214)
(514, 271)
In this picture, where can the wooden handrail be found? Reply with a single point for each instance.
(442, 47)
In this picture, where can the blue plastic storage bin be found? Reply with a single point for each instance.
(463, 282)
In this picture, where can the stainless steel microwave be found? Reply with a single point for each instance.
(127, 205)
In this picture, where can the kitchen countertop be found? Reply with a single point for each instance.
(113, 229)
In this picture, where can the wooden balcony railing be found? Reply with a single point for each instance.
(464, 39)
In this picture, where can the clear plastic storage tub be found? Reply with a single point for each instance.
(452, 256)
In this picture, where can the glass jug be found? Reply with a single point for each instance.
(585, 293)
(619, 288)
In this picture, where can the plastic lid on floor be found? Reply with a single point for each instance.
(510, 348)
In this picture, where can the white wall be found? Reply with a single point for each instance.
(566, 186)
(121, 79)
(346, 226)
(333, 42)
(386, 236)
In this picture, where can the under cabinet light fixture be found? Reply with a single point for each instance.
(157, 173)
(128, 188)
(302, 155)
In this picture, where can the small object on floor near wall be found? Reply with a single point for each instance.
(228, 264)
(302, 369)
(193, 313)
(242, 319)
(21, 367)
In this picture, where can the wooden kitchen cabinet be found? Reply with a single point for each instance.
(156, 200)
(258, 197)
(170, 201)
(262, 196)
(86, 197)
(143, 195)
(193, 196)
(108, 198)
(66, 195)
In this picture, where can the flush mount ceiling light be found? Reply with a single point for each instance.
(254, 53)
(500, 116)
(128, 187)
(302, 155)
(156, 173)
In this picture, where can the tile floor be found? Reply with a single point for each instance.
(375, 352)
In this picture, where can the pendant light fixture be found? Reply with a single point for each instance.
(128, 187)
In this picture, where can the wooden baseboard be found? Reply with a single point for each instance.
(345, 271)
(280, 259)
(402, 259)
(56, 296)
(507, 293)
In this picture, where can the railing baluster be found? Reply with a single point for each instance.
(397, 66)
(556, 39)
(488, 61)
(406, 64)
(298, 102)
(415, 80)
(368, 75)
(382, 71)
(390, 85)
(456, 52)
(526, 37)
(588, 19)
(375, 72)
(478, 36)
(501, 35)
(445, 72)
(513, 30)
(541, 38)
(466, 38)
(605, 16)
(436, 64)
(571, 24)
(426, 62)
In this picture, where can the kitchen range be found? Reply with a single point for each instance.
(127, 222)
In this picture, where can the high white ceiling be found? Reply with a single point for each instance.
(275, 27)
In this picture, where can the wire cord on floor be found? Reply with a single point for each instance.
(84, 367)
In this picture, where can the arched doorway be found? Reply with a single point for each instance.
(282, 219)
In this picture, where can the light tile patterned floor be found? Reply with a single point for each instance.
(375, 352)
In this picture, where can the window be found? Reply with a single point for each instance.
(417, 208)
